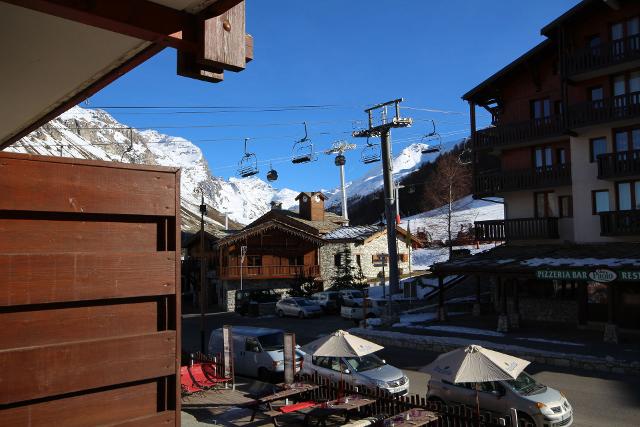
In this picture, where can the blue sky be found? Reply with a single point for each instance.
(347, 54)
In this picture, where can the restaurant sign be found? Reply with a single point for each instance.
(602, 275)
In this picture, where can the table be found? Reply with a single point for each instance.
(336, 407)
(417, 417)
(288, 391)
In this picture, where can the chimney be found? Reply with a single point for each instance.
(311, 205)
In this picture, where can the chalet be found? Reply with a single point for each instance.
(563, 151)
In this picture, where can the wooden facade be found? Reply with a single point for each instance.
(89, 297)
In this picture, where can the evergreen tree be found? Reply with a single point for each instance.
(348, 275)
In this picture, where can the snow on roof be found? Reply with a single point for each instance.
(355, 232)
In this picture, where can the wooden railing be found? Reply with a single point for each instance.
(620, 223)
(513, 133)
(619, 165)
(607, 54)
(619, 107)
(489, 183)
(517, 229)
(271, 271)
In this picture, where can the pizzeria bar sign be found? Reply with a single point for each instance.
(603, 275)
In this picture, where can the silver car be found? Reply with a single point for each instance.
(536, 403)
(366, 371)
(297, 306)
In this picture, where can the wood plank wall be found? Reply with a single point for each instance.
(89, 293)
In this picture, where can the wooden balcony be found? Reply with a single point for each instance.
(592, 61)
(620, 223)
(270, 272)
(494, 182)
(517, 229)
(624, 164)
(622, 107)
(520, 132)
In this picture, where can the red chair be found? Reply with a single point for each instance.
(210, 372)
(297, 406)
(187, 384)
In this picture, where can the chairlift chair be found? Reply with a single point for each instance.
(248, 164)
(431, 136)
(303, 149)
(272, 175)
(370, 153)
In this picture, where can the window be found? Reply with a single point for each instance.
(596, 94)
(628, 195)
(594, 42)
(561, 156)
(337, 260)
(540, 108)
(296, 260)
(358, 260)
(542, 203)
(625, 29)
(627, 140)
(252, 345)
(254, 260)
(597, 146)
(543, 157)
(600, 201)
(565, 204)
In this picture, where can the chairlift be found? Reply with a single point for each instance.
(272, 175)
(303, 149)
(248, 164)
(431, 136)
(370, 153)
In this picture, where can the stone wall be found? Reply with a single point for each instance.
(366, 251)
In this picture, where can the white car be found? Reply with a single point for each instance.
(536, 403)
(297, 306)
(374, 308)
(366, 371)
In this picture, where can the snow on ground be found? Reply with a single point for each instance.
(423, 259)
(462, 330)
(580, 262)
(466, 211)
(410, 320)
(577, 344)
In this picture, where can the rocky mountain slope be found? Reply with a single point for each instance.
(94, 134)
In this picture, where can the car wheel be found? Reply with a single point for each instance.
(525, 420)
(264, 375)
(280, 313)
(301, 315)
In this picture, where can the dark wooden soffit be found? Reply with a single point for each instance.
(260, 228)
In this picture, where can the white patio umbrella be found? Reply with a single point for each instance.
(341, 344)
(476, 364)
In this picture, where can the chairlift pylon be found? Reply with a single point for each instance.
(248, 164)
(303, 149)
(431, 136)
(370, 153)
(272, 175)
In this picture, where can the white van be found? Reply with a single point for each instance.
(257, 352)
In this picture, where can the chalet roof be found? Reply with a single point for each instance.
(572, 13)
(528, 259)
(260, 228)
(354, 233)
(212, 234)
(484, 91)
(311, 194)
(330, 223)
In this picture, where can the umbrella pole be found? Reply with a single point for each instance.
(477, 405)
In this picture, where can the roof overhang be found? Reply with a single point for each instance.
(59, 52)
(258, 229)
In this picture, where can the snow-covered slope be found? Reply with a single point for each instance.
(409, 160)
(94, 134)
(465, 212)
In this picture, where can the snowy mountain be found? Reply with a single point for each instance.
(409, 159)
(465, 212)
(94, 134)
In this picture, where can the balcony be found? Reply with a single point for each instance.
(494, 182)
(624, 164)
(604, 59)
(622, 107)
(520, 132)
(270, 271)
(620, 223)
(517, 229)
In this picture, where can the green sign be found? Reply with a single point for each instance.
(603, 275)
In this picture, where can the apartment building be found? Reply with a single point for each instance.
(563, 151)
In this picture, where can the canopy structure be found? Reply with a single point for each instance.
(341, 344)
(477, 364)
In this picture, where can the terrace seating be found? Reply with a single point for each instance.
(297, 406)
(187, 383)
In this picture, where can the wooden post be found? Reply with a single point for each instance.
(442, 313)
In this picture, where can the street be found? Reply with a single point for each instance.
(598, 399)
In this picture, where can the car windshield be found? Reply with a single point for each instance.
(272, 341)
(304, 302)
(525, 384)
(364, 363)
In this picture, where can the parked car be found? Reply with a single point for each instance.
(328, 300)
(257, 352)
(536, 403)
(374, 308)
(368, 371)
(350, 296)
(245, 299)
(297, 306)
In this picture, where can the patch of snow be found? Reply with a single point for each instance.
(577, 344)
(581, 262)
(462, 330)
(423, 259)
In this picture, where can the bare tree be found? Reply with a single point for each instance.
(452, 181)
